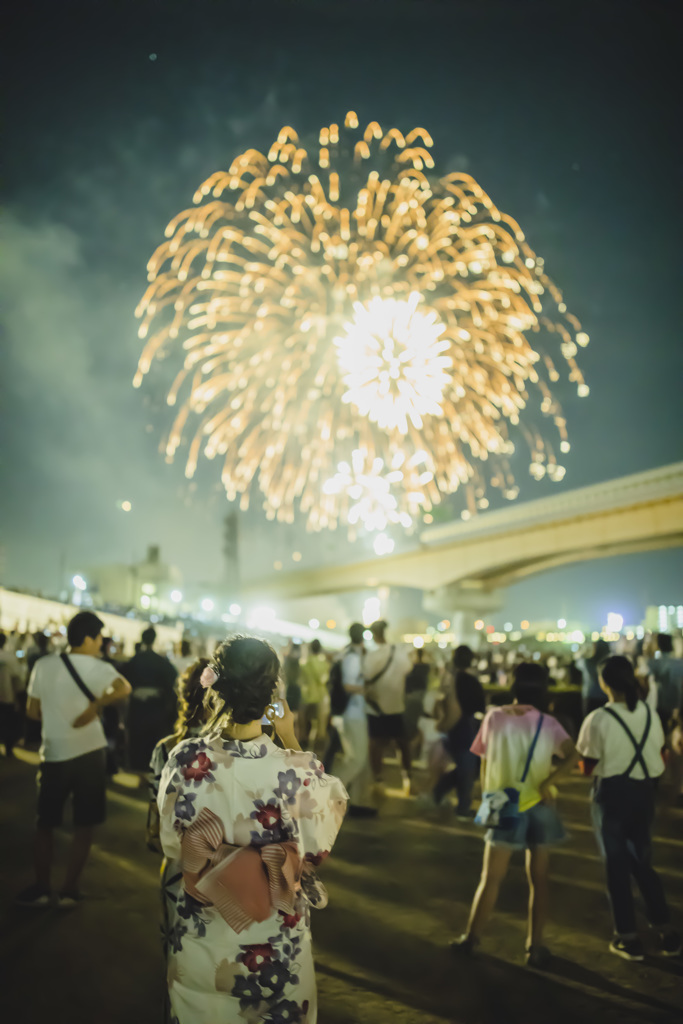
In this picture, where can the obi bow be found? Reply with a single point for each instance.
(244, 883)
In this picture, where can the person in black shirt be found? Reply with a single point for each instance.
(151, 711)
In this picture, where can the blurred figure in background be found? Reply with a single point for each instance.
(591, 694)
(291, 671)
(347, 755)
(462, 714)
(67, 694)
(384, 671)
(314, 709)
(667, 671)
(417, 682)
(10, 688)
(151, 710)
(184, 658)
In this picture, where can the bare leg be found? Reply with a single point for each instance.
(42, 855)
(537, 868)
(78, 855)
(494, 870)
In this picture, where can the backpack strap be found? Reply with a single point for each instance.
(369, 682)
(76, 678)
(529, 756)
(637, 746)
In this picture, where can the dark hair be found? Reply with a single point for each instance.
(148, 637)
(665, 643)
(463, 656)
(3, 640)
(470, 693)
(315, 647)
(378, 629)
(618, 675)
(530, 685)
(247, 670)
(356, 631)
(82, 625)
(190, 699)
(185, 649)
(601, 650)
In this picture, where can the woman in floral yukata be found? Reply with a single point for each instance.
(248, 822)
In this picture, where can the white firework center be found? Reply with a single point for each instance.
(367, 483)
(393, 362)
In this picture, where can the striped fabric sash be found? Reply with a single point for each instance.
(244, 883)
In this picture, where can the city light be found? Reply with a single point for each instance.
(441, 296)
(371, 610)
(235, 609)
(277, 566)
(296, 556)
(507, 627)
(614, 622)
(79, 583)
(145, 601)
(207, 604)
(561, 623)
(524, 624)
(313, 624)
(330, 623)
(126, 506)
(148, 588)
(479, 624)
(418, 642)
(262, 618)
(176, 596)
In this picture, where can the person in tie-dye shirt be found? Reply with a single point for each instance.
(503, 743)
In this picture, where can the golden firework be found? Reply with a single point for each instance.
(338, 305)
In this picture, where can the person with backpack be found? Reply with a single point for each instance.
(67, 694)
(621, 746)
(517, 744)
(347, 756)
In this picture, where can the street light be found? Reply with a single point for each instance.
(79, 583)
(176, 596)
(235, 609)
(207, 604)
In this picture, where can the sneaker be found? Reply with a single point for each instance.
(68, 900)
(34, 896)
(464, 945)
(668, 943)
(627, 949)
(467, 816)
(538, 957)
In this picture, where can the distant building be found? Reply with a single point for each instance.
(151, 585)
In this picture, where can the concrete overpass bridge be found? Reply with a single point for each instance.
(464, 566)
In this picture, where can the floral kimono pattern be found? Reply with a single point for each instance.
(261, 794)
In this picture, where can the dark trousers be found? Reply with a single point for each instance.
(461, 779)
(622, 812)
(10, 726)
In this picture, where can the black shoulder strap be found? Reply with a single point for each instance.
(638, 747)
(369, 682)
(76, 678)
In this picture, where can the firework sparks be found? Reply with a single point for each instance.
(339, 298)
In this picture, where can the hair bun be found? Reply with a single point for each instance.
(247, 669)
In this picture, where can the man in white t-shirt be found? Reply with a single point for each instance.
(385, 670)
(73, 750)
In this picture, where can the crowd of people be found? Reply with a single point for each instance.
(254, 759)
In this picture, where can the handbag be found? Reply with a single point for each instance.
(500, 807)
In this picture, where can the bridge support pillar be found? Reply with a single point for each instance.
(463, 604)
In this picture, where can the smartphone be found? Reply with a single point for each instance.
(279, 709)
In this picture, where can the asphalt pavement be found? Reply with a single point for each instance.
(400, 887)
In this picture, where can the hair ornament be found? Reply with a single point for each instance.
(208, 677)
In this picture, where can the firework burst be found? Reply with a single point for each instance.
(337, 298)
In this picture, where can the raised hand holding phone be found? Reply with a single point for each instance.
(281, 717)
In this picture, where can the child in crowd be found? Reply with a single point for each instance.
(517, 744)
(621, 744)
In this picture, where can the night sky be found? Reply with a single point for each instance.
(565, 113)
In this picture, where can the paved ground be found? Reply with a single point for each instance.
(399, 888)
